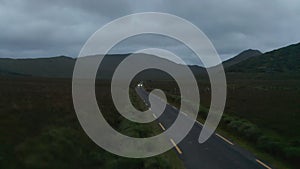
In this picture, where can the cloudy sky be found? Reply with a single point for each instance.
(37, 28)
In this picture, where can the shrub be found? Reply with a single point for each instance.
(292, 154)
(271, 145)
(157, 163)
(58, 147)
(252, 133)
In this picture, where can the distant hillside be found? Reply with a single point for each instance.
(58, 67)
(42, 67)
(247, 54)
(62, 66)
(285, 60)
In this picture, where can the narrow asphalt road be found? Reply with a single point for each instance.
(216, 153)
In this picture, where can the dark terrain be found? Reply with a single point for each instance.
(39, 128)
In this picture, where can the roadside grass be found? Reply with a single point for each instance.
(265, 102)
(39, 129)
(274, 162)
(233, 132)
(170, 156)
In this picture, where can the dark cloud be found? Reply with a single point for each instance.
(36, 28)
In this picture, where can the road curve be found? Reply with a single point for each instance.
(216, 153)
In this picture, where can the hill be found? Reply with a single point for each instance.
(283, 60)
(245, 55)
(62, 66)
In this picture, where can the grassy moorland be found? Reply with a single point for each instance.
(38, 122)
(39, 129)
(261, 113)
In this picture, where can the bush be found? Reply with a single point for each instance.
(157, 163)
(252, 133)
(124, 163)
(59, 147)
(235, 125)
(271, 145)
(292, 154)
(226, 119)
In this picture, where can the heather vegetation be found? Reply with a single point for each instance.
(39, 129)
(261, 110)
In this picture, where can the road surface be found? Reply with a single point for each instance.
(216, 153)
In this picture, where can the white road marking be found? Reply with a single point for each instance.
(224, 139)
(162, 126)
(184, 113)
(199, 123)
(176, 147)
(216, 133)
(263, 164)
(154, 115)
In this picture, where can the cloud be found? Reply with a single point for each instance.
(41, 28)
(35, 28)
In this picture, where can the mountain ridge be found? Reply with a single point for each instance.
(244, 55)
(286, 59)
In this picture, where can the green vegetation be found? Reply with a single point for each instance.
(261, 114)
(282, 60)
(260, 142)
(39, 129)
